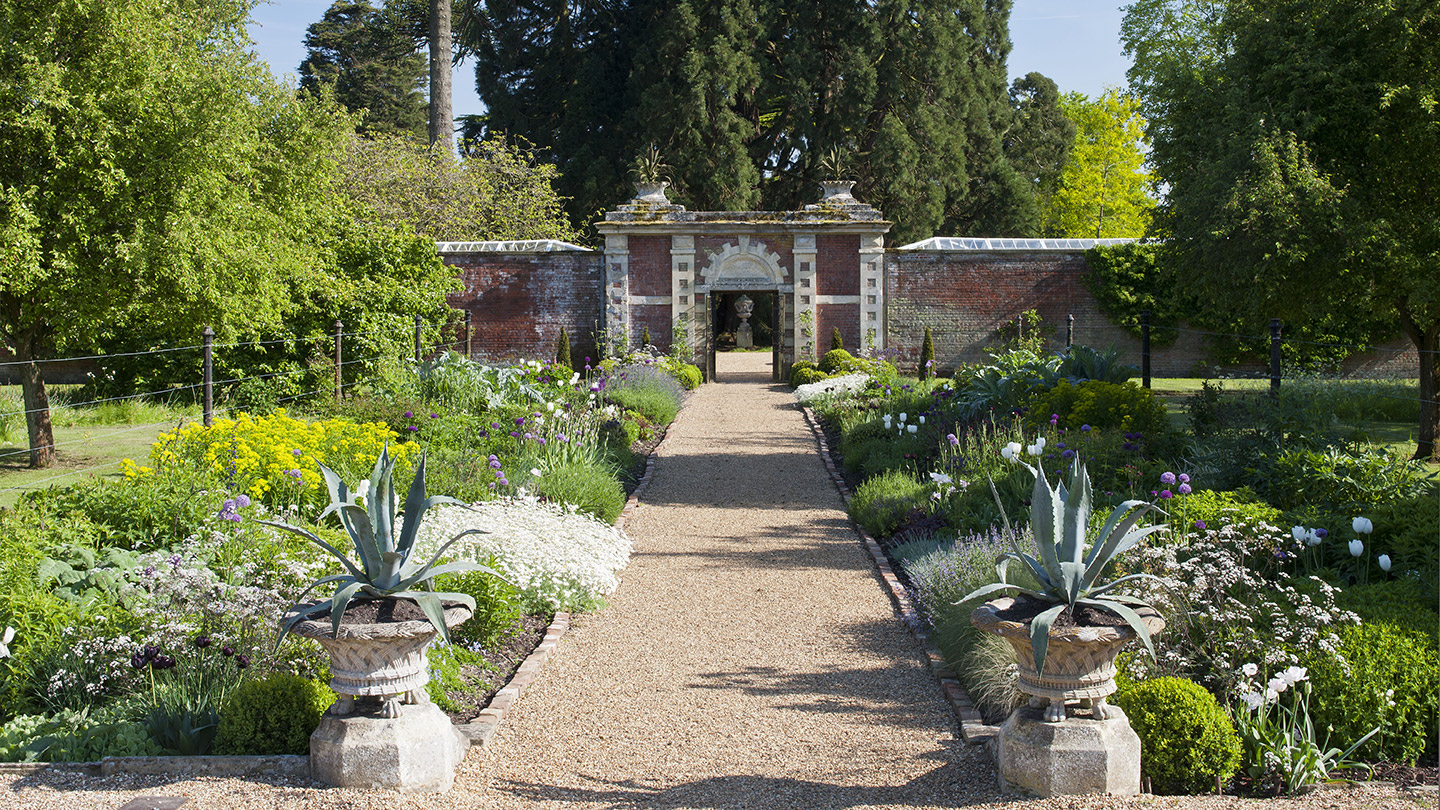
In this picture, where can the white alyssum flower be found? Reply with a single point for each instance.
(562, 557)
(835, 386)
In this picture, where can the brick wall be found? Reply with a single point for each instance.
(964, 297)
(649, 265)
(837, 266)
(655, 316)
(845, 316)
(519, 301)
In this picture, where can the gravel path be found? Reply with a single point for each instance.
(750, 659)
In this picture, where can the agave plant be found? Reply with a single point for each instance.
(386, 568)
(1067, 568)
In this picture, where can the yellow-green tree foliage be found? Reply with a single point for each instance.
(1105, 189)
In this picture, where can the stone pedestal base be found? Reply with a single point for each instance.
(1075, 755)
(744, 337)
(415, 752)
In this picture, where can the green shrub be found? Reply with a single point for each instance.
(499, 607)
(1217, 508)
(927, 357)
(1403, 602)
(835, 359)
(1343, 481)
(689, 376)
(1405, 529)
(804, 373)
(1186, 738)
(75, 736)
(273, 714)
(837, 343)
(1101, 405)
(591, 488)
(448, 687)
(562, 349)
(1386, 662)
(882, 503)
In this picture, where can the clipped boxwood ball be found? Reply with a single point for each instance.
(834, 360)
(1186, 738)
(275, 714)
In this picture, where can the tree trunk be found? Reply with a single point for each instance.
(1427, 342)
(37, 409)
(1429, 346)
(442, 116)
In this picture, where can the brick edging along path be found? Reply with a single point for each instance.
(973, 728)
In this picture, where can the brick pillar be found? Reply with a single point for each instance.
(617, 291)
(805, 328)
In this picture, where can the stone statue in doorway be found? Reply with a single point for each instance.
(744, 339)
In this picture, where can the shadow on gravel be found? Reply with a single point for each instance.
(816, 543)
(865, 696)
(741, 476)
(961, 778)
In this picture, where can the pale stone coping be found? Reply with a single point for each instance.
(515, 246)
(973, 729)
(946, 244)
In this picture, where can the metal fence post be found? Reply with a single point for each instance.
(339, 364)
(1145, 347)
(1274, 358)
(1069, 331)
(208, 339)
(417, 338)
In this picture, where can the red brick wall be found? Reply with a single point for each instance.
(845, 316)
(837, 266)
(519, 301)
(649, 265)
(655, 316)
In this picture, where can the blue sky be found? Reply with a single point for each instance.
(1074, 42)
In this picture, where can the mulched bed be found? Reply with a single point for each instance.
(1406, 775)
(485, 682)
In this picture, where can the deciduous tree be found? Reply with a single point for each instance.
(1104, 191)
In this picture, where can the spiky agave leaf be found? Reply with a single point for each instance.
(1046, 515)
(1040, 634)
(1077, 516)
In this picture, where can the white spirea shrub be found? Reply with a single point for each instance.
(848, 384)
(566, 559)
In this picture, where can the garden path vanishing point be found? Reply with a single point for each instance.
(750, 659)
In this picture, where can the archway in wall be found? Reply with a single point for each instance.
(771, 307)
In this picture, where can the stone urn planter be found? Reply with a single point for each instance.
(652, 192)
(837, 192)
(382, 661)
(1079, 664)
(383, 731)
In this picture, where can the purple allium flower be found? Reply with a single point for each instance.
(514, 434)
(242, 500)
(529, 435)
(495, 425)
(1184, 479)
(294, 474)
(1166, 495)
(1200, 524)
(1084, 428)
(494, 463)
(295, 453)
(1322, 533)
(1068, 454)
(409, 415)
(519, 420)
(953, 439)
(434, 416)
(227, 511)
(561, 437)
(1167, 478)
(411, 428)
(1184, 489)
(504, 482)
(492, 457)
(541, 440)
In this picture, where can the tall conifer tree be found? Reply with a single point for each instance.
(370, 61)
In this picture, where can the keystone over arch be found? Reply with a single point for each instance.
(744, 264)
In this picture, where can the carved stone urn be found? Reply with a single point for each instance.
(384, 661)
(652, 192)
(837, 192)
(1079, 662)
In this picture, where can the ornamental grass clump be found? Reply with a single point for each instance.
(1068, 574)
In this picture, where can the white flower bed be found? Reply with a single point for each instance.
(563, 558)
(848, 384)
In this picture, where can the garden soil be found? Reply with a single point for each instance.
(750, 659)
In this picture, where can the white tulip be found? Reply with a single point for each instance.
(5, 644)
(922, 420)
(1362, 525)
(535, 471)
(902, 416)
(1356, 547)
(1384, 560)
(913, 428)
(1298, 532)
(1035, 449)
(1311, 538)
(1295, 675)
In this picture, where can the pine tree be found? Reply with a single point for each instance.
(368, 58)
(836, 342)
(1038, 143)
(562, 349)
(927, 356)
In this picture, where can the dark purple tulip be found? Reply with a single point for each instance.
(202, 641)
(242, 661)
(227, 651)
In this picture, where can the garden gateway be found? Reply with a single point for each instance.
(677, 274)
